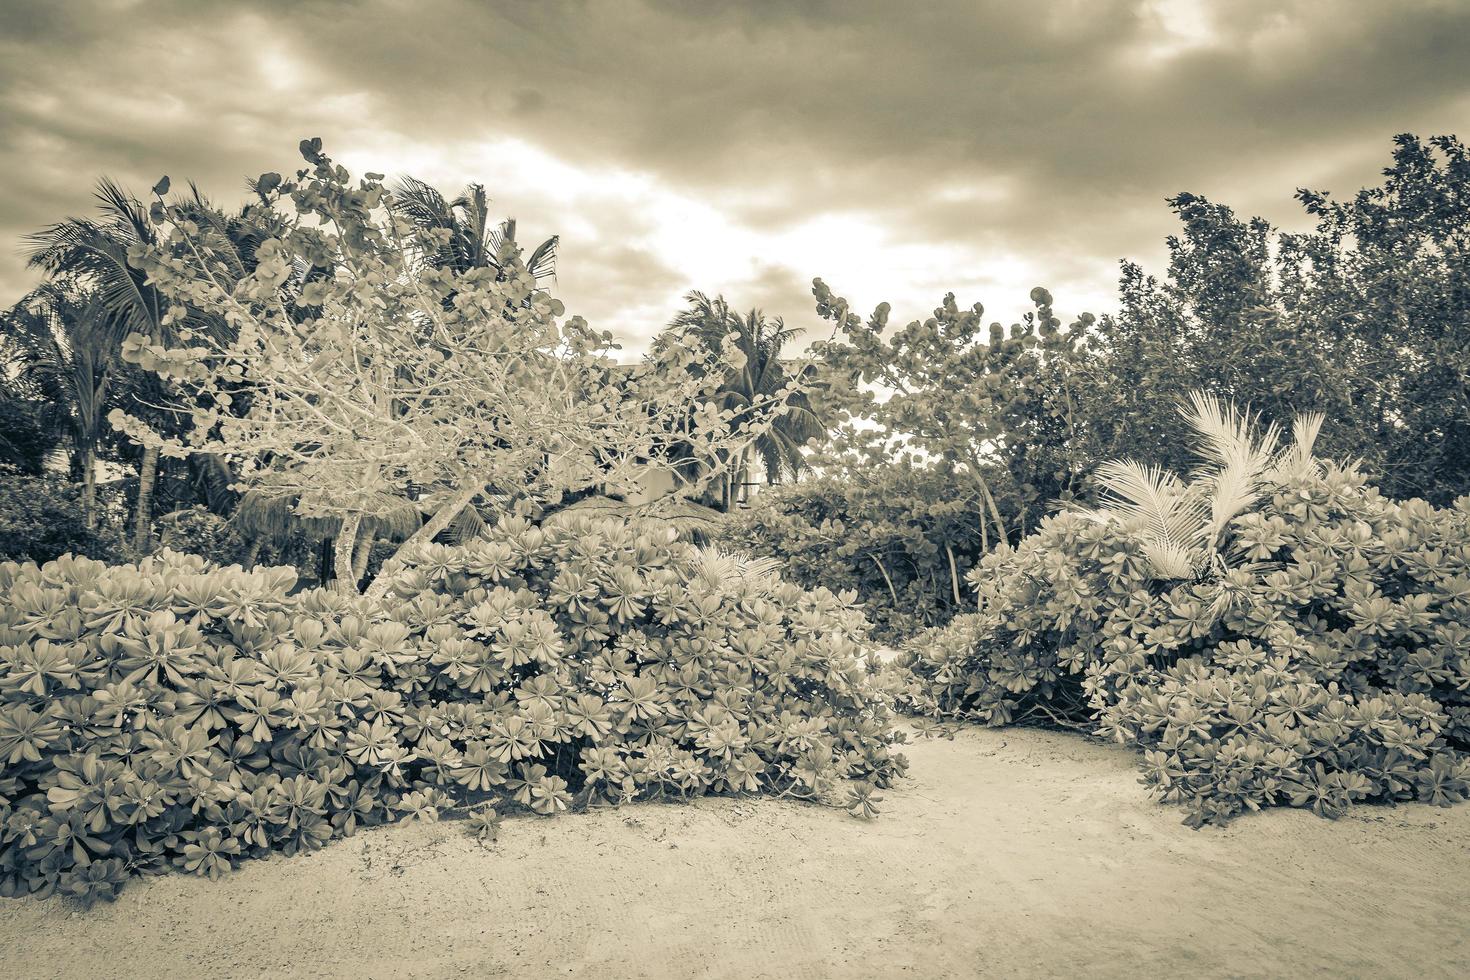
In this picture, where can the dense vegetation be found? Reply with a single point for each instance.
(369, 388)
(1366, 318)
(899, 536)
(1273, 631)
(172, 714)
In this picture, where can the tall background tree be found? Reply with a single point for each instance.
(994, 408)
(409, 383)
(1365, 318)
(64, 362)
(458, 235)
(759, 373)
(94, 254)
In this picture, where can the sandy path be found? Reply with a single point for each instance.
(1006, 853)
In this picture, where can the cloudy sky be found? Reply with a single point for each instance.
(898, 150)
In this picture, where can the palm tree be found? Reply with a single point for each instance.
(473, 242)
(60, 353)
(758, 380)
(93, 252)
(1183, 525)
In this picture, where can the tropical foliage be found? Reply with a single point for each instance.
(174, 715)
(63, 361)
(458, 234)
(757, 375)
(93, 255)
(1270, 632)
(408, 383)
(995, 408)
(42, 517)
(377, 382)
(1365, 318)
(901, 536)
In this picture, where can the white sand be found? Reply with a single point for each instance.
(1006, 853)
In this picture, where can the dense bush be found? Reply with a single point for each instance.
(612, 659)
(899, 536)
(41, 519)
(197, 531)
(174, 715)
(1320, 657)
(24, 441)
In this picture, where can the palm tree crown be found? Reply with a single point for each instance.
(472, 242)
(760, 378)
(58, 355)
(1182, 524)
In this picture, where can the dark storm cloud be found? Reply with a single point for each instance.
(979, 147)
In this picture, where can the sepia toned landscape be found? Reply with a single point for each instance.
(639, 489)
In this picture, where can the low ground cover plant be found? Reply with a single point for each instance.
(1272, 632)
(174, 715)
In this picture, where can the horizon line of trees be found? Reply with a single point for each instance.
(982, 430)
(1365, 318)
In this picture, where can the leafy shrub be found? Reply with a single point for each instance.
(1311, 648)
(610, 659)
(899, 536)
(41, 519)
(198, 531)
(24, 441)
(174, 715)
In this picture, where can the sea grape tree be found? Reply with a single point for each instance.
(997, 408)
(357, 376)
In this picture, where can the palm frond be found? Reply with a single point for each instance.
(467, 525)
(718, 569)
(1182, 526)
(1170, 559)
(685, 516)
(1235, 488)
(215, 478)
(541, 263)
(273, 516)
(1147, 493)
(1228, 434)
(1242, 453)
(422, 204)
(1298, 459)
(95, 254)
(1168, 517)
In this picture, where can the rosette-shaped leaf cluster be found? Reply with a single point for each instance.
(173, 715)
(608, 661)
(1320, 657)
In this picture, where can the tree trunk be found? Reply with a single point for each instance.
(143, 518)
(89, 487)
(1004, 543)
(884, 572)
(379, 587)
(361, 550)
(988, 502)
(954, 575)
(342, 557)
(253, 555)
